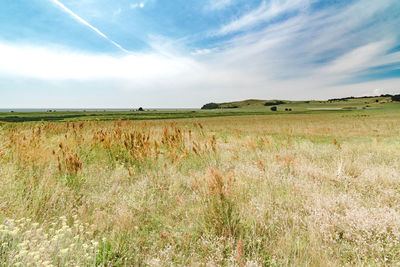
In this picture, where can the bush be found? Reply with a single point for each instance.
(396, 98)
(210, 106)
(273, 103)
(274, 108)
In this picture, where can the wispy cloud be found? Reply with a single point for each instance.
(265, 12)
(117, 12)
(219, 4)
(137, 5)
(84, 22)
(337, 39)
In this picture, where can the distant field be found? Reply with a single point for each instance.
(300, 188)
(248, 107)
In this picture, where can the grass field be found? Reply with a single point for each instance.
(301, 188)
(247, 107)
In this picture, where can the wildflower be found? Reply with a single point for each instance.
(23, 252)
(14, 232)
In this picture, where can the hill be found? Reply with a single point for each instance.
(365, 102)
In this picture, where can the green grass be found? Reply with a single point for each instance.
(352, 107)
(301, 188)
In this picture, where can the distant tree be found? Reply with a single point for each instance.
(140, 109)
(273, 103)
(396, 98)
(232, 106)
(377, 100)
(210, 106)
(274, 108)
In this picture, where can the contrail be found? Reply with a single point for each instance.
(81, 20)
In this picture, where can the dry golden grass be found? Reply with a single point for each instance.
(245, 191)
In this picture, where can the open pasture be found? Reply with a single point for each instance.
(287, 189)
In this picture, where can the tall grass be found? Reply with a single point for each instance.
(248, 191)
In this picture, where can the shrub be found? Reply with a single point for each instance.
(274, 108)
(273, 103)
(396, 98)
(210, 106)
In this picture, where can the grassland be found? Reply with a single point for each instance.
(243, 108)
(301, 188)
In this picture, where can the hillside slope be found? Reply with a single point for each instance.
(340, 103)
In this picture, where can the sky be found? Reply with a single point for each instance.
(185, 53)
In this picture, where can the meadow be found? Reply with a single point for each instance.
(281, 189)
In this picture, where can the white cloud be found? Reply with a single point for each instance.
(361, 58)
(50, 64)
(265, 12)
(137, 5)
(203, 52)
(117, 12)
(218, 4)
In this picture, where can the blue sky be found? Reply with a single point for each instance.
(180, 53)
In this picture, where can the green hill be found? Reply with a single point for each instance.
(368, 102)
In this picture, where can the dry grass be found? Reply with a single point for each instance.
(249, 191)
